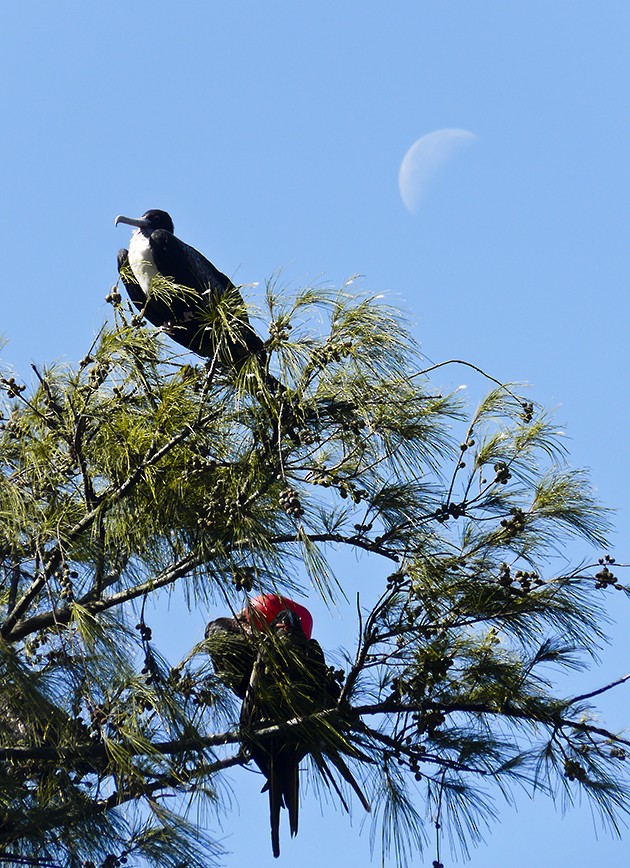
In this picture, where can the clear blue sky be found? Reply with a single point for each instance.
(273, 133)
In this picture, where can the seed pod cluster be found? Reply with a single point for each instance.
(397, 581)
(113, 297)
(99, 716)
(97, 375)
(411, 756)
(279, 330)
(527, 412)
(216, 507)
(112, 861)
(574, 771)
(333, 351)
(243, 578)
(14, 389)
(514, 525)
(429, 721)
(346, 489)
(188, 686)
(150, 668)
(525, 578)
(502, 472)
(185, 683)
(203, 696)
(429, 671)
(290, 502)
(233, 507)
(143, 703)
(145, 631)
(323, 477)
(356, 425)
(450, 510)
(337, 675)
(605, 578)
(32, 645)
(12, 426)
(197, 464)
(85, 361)
(413, 761)
(65, 576)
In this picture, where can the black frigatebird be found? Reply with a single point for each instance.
(290, 680)
(176, 288)
(265, 654)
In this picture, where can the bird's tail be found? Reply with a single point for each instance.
(291, 793)
(283, 784)
(275, 805)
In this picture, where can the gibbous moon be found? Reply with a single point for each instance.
(424, 161)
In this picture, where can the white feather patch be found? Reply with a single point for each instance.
(141, 260)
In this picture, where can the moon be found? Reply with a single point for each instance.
(424, 161)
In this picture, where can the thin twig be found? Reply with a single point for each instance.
(600, 690)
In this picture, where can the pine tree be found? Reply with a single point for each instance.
(139, 470)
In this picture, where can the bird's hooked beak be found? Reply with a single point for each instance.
(287, 620)
(140, 222)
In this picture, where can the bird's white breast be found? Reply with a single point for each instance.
(141, 260)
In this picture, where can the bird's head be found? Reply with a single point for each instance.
(262, 611)
(149, 222)
(288, 620)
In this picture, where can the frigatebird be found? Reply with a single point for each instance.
(266, 656)
(289, 680)
(177, 289)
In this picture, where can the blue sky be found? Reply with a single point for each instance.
(273, 133)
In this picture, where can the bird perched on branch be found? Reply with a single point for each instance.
(180, 291)
(289, 680)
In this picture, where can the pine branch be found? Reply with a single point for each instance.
(355, 541)
(61, 617)
(107, 500)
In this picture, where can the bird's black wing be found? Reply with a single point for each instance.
(260, 708)
(232, 652)
(186, 266)
(199, 288)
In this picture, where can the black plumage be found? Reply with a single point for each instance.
(281, 675)
(233, 651)
(290, 679)
(177, 289)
